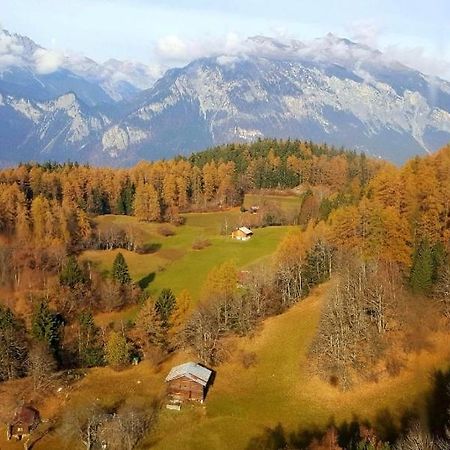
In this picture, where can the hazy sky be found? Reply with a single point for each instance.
(171, 32)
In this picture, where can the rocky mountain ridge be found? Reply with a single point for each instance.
(330, 90)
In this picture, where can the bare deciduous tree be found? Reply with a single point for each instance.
(83, 425)
(358, 312)
(41, 366)
(417, 439)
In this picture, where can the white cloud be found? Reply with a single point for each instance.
(420, 59)
(174, 50)
(16, 51)
(47, 61)
(227, 60)
(11, 51)
(365, 32)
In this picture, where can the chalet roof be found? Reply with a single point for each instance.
(25, 415)
(191, 370)
(246, 230)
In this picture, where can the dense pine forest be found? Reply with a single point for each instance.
(375, 235)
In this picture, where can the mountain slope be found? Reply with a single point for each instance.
(31, 71)
(366, 104)
(329, 90)
(61, 129)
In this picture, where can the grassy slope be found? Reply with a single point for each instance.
(281, 389)
(243, 402)
(176, 265)
(286, 202)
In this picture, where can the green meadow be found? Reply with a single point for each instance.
(287, 202)
(175, 264)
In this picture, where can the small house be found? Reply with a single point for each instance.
(188, 381)
(242, 234)
(25, 420)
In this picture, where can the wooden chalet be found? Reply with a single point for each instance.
(188, 381)
(25, 420)
(242, 234)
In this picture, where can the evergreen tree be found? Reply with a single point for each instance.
(13, 350)
(90, 351)
(71, 274)
(46, 325)
(165, 304)
(117, 350)
(421, 278)
(325, 208)
(100, 202)
(438, 255)
(120, 271)
(126, 199)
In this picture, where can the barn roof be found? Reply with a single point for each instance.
(191, 370)
(246, 230)
(26, 415)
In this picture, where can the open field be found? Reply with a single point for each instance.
(243, 404)
(288, 202)
(175, 264)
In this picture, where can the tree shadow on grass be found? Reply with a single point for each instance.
(145, 281)
(388, 427)
(438, 403)
(347, 432)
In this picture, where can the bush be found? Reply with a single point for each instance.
(178, 220)
(200, 244)
(146, 249)
(394, 366)
(166, 230)
(249, 359)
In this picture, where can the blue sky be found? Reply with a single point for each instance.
(171, 32)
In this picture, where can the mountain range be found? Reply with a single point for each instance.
(60, 107)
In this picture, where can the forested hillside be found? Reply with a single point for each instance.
(375, 236)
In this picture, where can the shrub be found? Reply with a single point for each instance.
(146, 249)
(200, 244)
(249, 359)
(166, 230)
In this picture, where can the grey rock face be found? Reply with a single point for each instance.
(331, 90)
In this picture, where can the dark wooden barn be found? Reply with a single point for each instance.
(188, 381)
(25, 420)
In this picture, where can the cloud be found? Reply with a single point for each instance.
(47, 61)
(18, 51)
(365, 32)
(420, 59)
(174, 50)
(11, 51)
